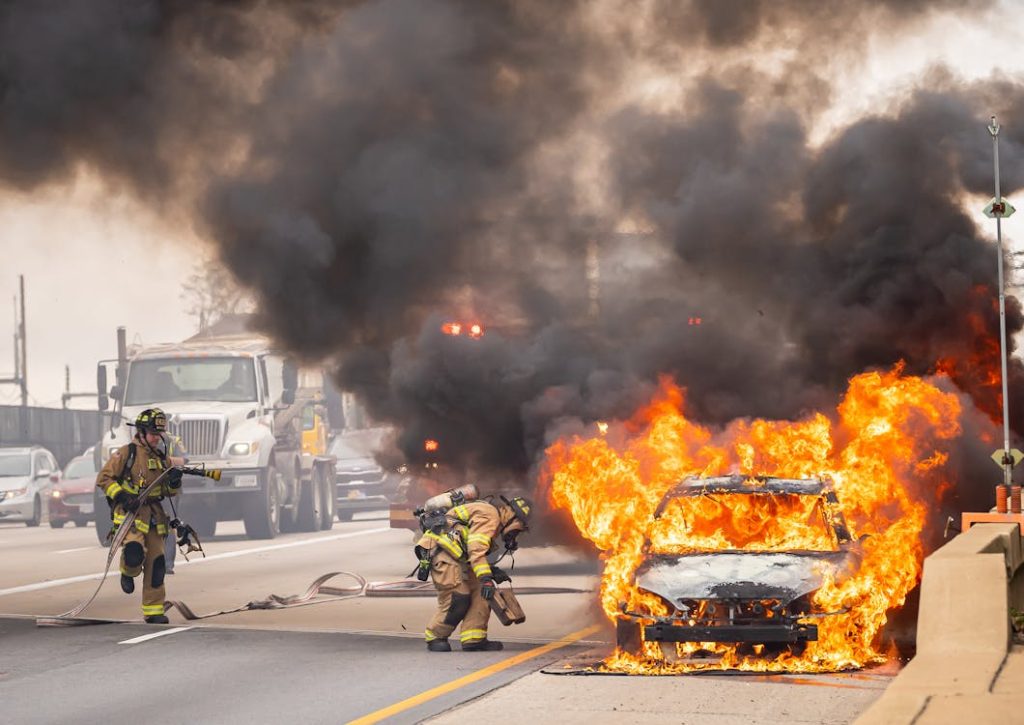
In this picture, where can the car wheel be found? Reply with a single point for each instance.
(81, 522)
(328, 503)
(628, 637)
(344, 515)
(37, 513)
(261, 511)
(57, 523)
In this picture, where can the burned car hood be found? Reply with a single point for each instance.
(739, 575)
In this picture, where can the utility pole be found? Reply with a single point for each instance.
(24, 347)
(997, 209)
(20, 376)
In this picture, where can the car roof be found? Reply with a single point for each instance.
(20, 449)
(697, 485)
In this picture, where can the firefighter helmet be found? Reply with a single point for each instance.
(151, 419)
(521, 507)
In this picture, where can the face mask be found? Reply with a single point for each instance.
(511, 544)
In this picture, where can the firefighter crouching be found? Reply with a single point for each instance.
(130, 469)
(454, 549)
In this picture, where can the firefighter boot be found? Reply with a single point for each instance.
(127, 584)
(158, 619)
(482, 645)
(439, 645)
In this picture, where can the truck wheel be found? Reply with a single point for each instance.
(101, 516)
(205, 525)
(37, 513)
(310, 503)
(627, 636)
(261, 511)
(57, 523)
(328, 502)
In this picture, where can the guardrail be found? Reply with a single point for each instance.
(963, 632)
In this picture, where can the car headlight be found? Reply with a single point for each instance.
(56, 494)
(243, 449)
(16, 492)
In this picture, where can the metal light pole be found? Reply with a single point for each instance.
(998, 210)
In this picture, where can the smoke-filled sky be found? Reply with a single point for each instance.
(801, 176)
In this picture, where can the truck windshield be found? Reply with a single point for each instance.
(171, 380)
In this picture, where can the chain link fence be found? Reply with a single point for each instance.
(65, 433)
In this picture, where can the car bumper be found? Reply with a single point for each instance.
(755, 633)
(19, 509)
(355, 500)
(66, 509)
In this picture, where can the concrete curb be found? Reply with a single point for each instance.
(963, 632)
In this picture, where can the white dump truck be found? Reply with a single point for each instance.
(239, 406)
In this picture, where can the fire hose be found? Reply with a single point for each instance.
(318, 587)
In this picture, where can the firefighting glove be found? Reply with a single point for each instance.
(487, 587)
(174, 478)
(127, 501)
(500, 575)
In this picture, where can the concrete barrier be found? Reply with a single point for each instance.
(963, 631)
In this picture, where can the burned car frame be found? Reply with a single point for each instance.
(758, 595)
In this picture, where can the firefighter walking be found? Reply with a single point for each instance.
(129, 470)
(456, 555)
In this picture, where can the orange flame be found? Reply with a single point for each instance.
(452, 328)
(430, 445)
(884, 454)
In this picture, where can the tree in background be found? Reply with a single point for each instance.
(211, 294)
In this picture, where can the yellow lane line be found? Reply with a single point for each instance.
(390, 710)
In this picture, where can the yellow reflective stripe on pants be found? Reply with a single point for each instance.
(150, 610)
(482, 569)
(468, 635)
(142, 526)
(118, 518)
(430, 636)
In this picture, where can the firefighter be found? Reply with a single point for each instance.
(130, 469)
(457, 557)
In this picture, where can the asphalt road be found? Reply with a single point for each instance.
(341, 659)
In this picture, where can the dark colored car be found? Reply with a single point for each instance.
(362, 484)
(72, 498)
(754, 594)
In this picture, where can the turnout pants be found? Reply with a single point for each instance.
(143, 553)
(458, 602)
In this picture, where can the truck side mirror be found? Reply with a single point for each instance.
(290, 381)
(101, 386)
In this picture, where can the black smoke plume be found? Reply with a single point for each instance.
(373, 169)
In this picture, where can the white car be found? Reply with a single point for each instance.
(25, 475)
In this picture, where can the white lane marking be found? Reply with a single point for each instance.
(154, 635)
(212, 557)
(80, 548)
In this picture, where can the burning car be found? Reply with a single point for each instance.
(706, 576)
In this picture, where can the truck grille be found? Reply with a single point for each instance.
(202, 438)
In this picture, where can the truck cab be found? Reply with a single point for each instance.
(232, 403)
